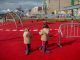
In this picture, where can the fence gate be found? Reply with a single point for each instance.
(68, 30)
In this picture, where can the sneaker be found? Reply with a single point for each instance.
(27, 53)
(47, 51)
(40, 48)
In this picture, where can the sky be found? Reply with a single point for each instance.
(13, 4)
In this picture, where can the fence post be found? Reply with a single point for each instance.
(60, 37)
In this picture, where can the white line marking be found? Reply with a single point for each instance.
(29, 30)
(1, 29)
(7, 30)
(21, 30)
(35, 30)
(50, 29)
(14, 30)
(56, 29)
(18, 30)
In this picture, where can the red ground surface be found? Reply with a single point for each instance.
(12, 47)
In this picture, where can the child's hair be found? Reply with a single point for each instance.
(26, 29)
(45, 25)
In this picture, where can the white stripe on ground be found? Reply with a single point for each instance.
(50, 29)
(29, 30)
(14, 30)
(56, 29)
(21, 30)
(35, 30)
(7, 30)
(1, 29)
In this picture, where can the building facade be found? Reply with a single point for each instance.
(56, 5)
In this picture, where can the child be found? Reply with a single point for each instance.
(44, 37)
(27, 39)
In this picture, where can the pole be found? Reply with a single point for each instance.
(59, 8)
(72, 4)
(45, 7)
(72, 14)
(59, 5)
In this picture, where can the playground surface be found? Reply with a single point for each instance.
(12, 47)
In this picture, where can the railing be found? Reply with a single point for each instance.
(13, 19)
(68, 30)
(19, 19)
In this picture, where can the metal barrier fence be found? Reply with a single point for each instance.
(68, 30)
